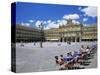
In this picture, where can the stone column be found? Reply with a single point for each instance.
(75, 39)
(63, 39)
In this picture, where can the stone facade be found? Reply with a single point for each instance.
(28, 34)
(69, 32)
(72, 32)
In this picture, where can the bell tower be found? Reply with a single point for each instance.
(69, 21)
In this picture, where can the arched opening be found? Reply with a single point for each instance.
(61, 39)
(69, 38)
(78, 39)
(73, 39)
(65, 39)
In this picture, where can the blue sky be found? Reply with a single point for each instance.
(51, 15)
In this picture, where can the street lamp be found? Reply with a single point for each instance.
(41, 33)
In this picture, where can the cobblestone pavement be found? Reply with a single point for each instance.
(32, 58)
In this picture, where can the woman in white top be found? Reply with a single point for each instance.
(88, 50)
(82, 49)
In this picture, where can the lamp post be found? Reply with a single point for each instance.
(41, 33)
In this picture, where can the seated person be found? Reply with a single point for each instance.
(61, 58)
(82, 49)
(67, 58)
(88, 50)
(76, 55)
(58, 61)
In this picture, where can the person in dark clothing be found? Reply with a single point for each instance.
(61, 57)
(56, 60)
(59, 61)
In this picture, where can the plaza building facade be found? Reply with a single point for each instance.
(65, 33)
(89, 33)
(28, 34)
(52, 34)
(72, 32)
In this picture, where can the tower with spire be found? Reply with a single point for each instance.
(69, 22)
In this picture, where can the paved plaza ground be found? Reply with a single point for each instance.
(32, 58)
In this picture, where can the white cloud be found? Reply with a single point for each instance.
(31, 21)
(37, 23)
(90, 11)
(22, 23)
(44, 22)
(58, 21)
(71, 16)
(52, 25)
(55, 24)
(85, 19)
(62, 22)
(25, 24)
(49, 21)
(75, 22)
